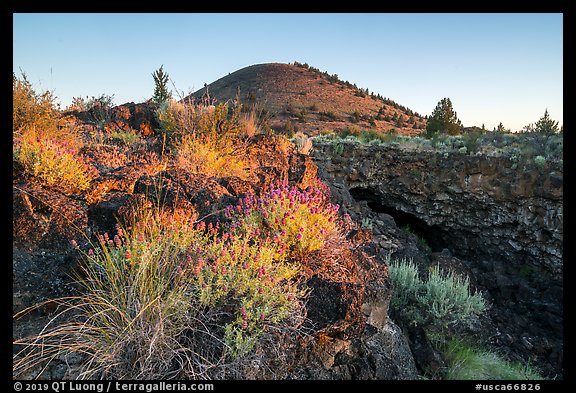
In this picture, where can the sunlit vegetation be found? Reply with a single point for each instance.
(514, 146)
(47, 151)
(168, 295)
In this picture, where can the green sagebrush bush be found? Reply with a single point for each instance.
(440, 299)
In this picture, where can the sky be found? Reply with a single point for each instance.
(494, 67)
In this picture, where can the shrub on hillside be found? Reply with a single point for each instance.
(31, 110)
(53, 163)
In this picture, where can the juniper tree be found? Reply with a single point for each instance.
(501, 128)
(546, 125)
(444, 119)
(161, 92)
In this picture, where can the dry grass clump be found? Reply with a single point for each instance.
(208, 139)
(202, 154)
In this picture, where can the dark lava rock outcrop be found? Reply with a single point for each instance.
(504, 222)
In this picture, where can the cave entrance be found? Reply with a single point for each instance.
(432, 234)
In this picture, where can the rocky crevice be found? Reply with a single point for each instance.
(501, 225)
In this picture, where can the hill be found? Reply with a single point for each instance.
(311, 101)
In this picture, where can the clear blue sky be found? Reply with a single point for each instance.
(494, 67)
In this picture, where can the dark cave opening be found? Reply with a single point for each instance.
(432, 234)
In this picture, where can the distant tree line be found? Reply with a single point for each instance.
(444, 120)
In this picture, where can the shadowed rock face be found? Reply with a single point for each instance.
(505, 224)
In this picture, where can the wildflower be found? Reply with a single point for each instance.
(106, 236)
(245, 265)
(90, 252)
(119, 230)
(223, 270)
(128, 255)
(74, 244)
(141, 237)
(290, 297)
(298, 236)
(262, 316)
(245, 324)
(117, 241)
(225, 288)
(260, 290)
(243, 312)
